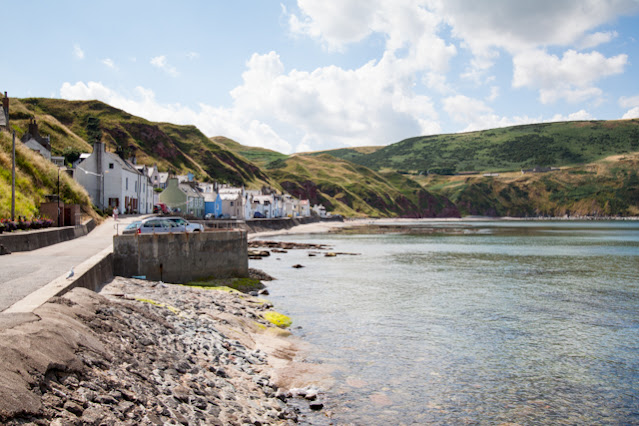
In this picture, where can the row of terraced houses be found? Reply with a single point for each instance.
(113, 182)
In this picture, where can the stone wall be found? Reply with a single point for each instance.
(181, 257)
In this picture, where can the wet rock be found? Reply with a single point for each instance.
(311, 394)
(74, 408)
(316, 405)
(298, 266)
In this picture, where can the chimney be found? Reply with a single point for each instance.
(33, 129)
(5, 110)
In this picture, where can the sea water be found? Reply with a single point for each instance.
(476, 323)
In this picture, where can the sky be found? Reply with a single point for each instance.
(311, 75)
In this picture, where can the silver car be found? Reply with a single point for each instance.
(132, 228)
(188, 226)
(159, 225)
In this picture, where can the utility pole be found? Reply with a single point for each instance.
(5, 121)
(13, 179)
(58, 196)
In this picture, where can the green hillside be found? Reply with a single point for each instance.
(353, 190)
(505, 149)
(609, 187)
(172, 147)
(36, 178)
(599, 162)
(256, 155)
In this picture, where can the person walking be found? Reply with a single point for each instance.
(115, 214)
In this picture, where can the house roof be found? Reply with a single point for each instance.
(263, 199)
(125, 165)
(163, 177)
(210, 196)
(229, 196)
(190, 191)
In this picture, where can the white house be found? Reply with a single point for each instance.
(304, 208)
(250, 206)
(232, 202)
(114, 182)
(288, 206)
(36, 142)
(163, 180)
(319, 210)
(265, 204)
(83, 156)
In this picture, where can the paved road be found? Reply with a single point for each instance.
(22, 273)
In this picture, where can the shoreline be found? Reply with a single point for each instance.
(142, 352)
(326, 227)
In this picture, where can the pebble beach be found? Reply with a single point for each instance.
(151, 353)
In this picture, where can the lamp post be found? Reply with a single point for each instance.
(58, 197)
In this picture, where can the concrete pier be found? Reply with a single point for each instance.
(181, 257)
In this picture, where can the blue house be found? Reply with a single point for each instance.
(212, 205)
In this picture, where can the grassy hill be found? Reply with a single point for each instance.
(608, 187)
(172, 147)
(353, 190)
(256, 155)
(505, 149)
(599, 163)
(36, 177)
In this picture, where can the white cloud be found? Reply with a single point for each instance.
(629, 101)
(406, 24)
(210, 120)
(162, 63)
(570, 95)
(479, 116)
(494, 93)
(329, 107)
(633, 113)
(523, 25)
(581, 115)
(78, 52)
(570, 78)
(437, 82)
(192, 55)
(109, 63)
(593, 40)
(335, 22)
(373, 104)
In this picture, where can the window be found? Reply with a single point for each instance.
(126, 182)
(110, 165)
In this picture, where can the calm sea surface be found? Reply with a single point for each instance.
(522, 322)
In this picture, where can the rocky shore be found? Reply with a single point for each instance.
(151, 353)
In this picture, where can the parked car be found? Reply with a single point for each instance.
(188, 226)
(259, 215)
(132, 228)
(159, 225)
(161, 208)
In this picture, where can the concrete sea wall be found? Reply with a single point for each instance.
(181, 257)
(33, 240)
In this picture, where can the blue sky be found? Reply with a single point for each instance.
(312, 75)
